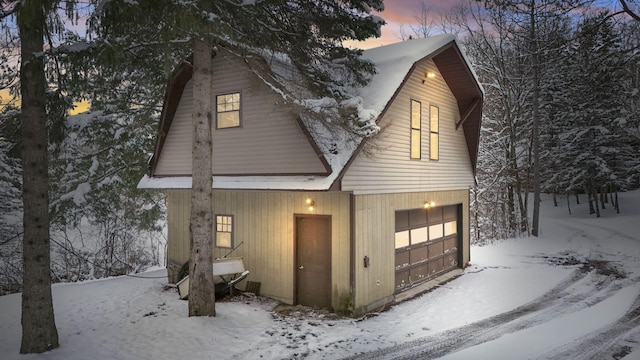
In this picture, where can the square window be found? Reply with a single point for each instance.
(402, 239)
(450, 228)
(436, 232)
(228, 111)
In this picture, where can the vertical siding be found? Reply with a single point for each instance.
(178, 249)
(374, 237)
(391, 169)
(269, 140)
(264, 223)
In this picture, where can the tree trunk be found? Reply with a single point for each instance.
(592, 210)
(39, 333)
(535, 225)
(595, 198)
(568, 204)
(611, 189)
(201, 286)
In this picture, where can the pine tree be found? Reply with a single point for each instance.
(594, 135)
(39, 331)
(308, 33)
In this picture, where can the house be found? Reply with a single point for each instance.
(328, 221)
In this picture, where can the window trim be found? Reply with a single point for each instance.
(239, 110)
(434, 134)
(414, 102)
(231, 232)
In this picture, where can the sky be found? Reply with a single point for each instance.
(399, 15)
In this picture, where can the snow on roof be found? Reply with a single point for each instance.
(393, 62)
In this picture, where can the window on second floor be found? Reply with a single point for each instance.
(416, 129)
(228, 111)
(434, 133)
(224, 231)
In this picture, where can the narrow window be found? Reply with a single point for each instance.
(416, 135)
(434, 132)
(228, 111)
(224, 231)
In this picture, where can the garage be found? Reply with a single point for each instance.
(426, 244)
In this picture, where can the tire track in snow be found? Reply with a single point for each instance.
(611, 342)
(611, 234)
(557, 301)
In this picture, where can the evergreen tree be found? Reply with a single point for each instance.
(594, 133)
(308, 33)
(11, 204)
(39, 333)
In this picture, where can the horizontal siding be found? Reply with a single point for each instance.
(175, 158)
(269, 140)
(264, 224)
(374, 231)
(388, 167)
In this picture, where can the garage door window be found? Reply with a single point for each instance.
(402, 239)
(435, 232)
(450, 228)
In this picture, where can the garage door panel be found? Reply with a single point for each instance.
(419, 254)
(451, 261)
(419, 273)
(450, 213)
(450, 244)
(434, 215)
(436, 249)
(402, 260)
(402, 220)
(436, 266)
(402, 280)
(417, 218)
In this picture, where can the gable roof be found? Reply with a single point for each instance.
(394, 64)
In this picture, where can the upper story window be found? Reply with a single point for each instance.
(434, 132)
(228, 111)
(224, 231)
(416, 129)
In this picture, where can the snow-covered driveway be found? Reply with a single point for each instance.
(591, 313)
(573, 293)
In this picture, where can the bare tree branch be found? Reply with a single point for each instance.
(629, 11)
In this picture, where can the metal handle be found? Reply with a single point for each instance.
(301, 267)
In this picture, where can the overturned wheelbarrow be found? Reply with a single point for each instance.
(226, 273)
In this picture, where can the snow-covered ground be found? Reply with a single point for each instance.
(573, 293)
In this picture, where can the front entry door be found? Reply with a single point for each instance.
(313, 260)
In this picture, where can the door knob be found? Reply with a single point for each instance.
(301, 267)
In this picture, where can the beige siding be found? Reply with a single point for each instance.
(177, 232)
(264, 223)
(374, 237)
(391, 169)
(268, 142)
